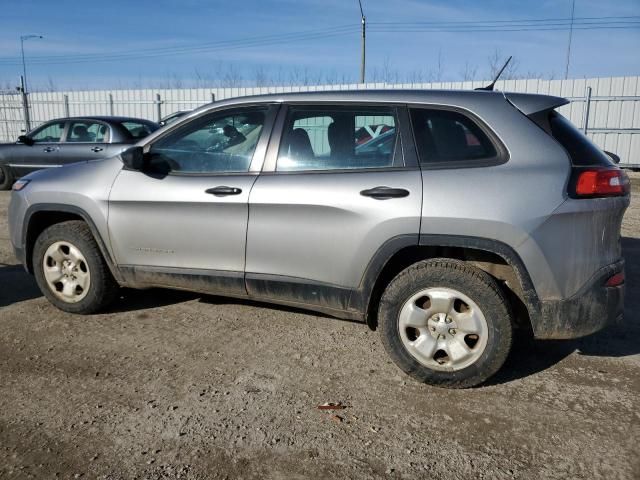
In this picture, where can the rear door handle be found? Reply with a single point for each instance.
(223, 191)
(382, 193)
(96, 149)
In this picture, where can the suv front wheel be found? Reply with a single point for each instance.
(70, 270)
(446, 323)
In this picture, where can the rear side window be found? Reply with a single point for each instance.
(87, 132)
(581, 150)
(445, 136)
(339, 138)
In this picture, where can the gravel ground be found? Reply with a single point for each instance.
(175, 385)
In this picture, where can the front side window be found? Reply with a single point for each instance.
(87, 132)
(338, 138)
(217, 143)
(49, 133)
(446, 136)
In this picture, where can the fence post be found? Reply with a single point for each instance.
(67, 112)
(213, 97)
(587, 107)
(111, 105)
(159, 106)
(25, 106)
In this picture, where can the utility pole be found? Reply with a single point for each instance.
(363, 57)
(566, 69)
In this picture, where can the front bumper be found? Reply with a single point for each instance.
(593, 308)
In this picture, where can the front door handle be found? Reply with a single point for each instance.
(223, 191)
(382, 193)
(96, 149)
(49, 149)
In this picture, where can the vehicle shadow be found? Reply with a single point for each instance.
(16, 285)
(531, 356)
(130, 300)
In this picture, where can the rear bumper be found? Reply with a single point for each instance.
(593, 308)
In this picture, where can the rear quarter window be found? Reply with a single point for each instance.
(137, 130)
(445, 137)
(582, 151)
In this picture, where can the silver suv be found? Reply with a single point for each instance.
(443, 219)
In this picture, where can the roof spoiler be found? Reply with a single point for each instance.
(529, 103)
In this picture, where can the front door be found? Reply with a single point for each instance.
(334, 190)
(44, 153)
(182, 221)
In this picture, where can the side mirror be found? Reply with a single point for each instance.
(614, 158)
(26, 140)
(133, 158)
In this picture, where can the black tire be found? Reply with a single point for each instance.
(6, 178)
(102, 289)
(464, 278)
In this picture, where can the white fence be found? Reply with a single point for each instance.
(612, 112)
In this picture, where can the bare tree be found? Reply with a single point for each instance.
(260, 77)
(439, 67)
(232, 76)
(495, 62)
(469, 73)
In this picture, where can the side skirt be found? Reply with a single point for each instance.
(294, 292)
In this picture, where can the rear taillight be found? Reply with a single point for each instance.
(615, 280)
(599, 182)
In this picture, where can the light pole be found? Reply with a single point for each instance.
(24, 65)
(363, 22)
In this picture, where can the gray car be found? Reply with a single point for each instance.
(67, 140)
(467, 215)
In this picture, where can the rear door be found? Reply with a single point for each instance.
(324, 205)
(85, 140)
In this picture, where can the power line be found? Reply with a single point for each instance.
(166, 51)
(480, 30)
(549, 24)
(535, 20)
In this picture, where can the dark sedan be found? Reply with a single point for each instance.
(68, 140)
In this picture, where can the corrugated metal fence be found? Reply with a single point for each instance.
(609, 106)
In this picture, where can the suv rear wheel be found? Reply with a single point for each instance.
(446, 323)
(70, 270)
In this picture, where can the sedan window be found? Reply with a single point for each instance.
(138, 130)
(87, 132)
(49, 133)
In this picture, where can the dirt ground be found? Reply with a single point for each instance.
(175, 385)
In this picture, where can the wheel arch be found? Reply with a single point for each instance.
(38, 217)
(492, 256)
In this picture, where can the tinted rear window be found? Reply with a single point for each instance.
(581, 150)
(444, 136)
(138, 130)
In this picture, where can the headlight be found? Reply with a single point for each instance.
(20, 184)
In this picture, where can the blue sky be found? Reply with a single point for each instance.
(94, 30)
